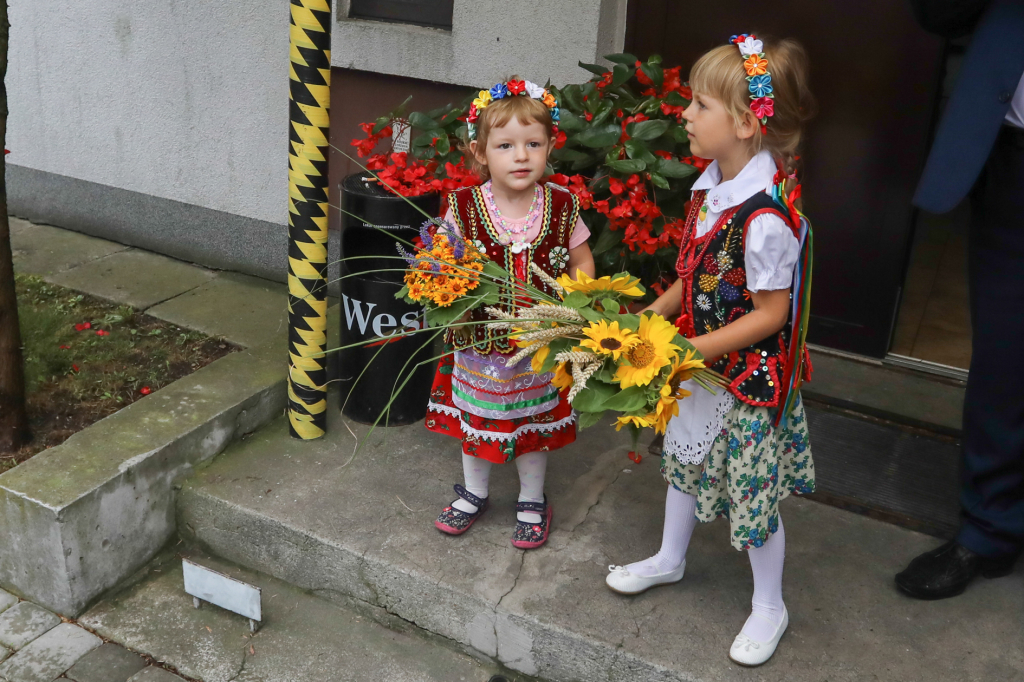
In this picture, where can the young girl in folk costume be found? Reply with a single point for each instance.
(505, 412)
(739, 452)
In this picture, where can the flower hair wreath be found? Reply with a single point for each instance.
(510, 89)
(759, 79)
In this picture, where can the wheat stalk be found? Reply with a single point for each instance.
(548, 279)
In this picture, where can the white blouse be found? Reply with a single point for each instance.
(770, 254)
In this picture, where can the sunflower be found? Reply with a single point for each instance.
(682, 370)
(634, 420)
(625, 285)
(539, 357)
(653, 350)
(608, 339)
(563, 377)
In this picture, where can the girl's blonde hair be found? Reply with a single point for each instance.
(497, 115)
(720, 74)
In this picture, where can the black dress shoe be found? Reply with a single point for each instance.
(946, 571)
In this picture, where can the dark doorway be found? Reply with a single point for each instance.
(875, 74)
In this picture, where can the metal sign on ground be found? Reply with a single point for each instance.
(206, 584)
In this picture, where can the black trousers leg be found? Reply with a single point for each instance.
(992, 491)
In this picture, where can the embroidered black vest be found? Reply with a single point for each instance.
(549, 250)
(714, 294)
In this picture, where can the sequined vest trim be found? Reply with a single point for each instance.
(549, 250)
(714, 294)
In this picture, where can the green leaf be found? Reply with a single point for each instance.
(659, 181)
(556, 346)
(566, 154)
(441, 317)
(647, 130)
(627, 400)
(620, 74)
(593, 68)
(671, 168)
(610, 305)
(400, 294)
(654, 59)
(589, 314)
(622, 58)
(422, 121)
(381, 124)
(570, 122)
(679, 134)
(654, 72)
(676, 100)
(576, 299)
(600, 136)
(627, 165)
(603, 115)
(423, 139)
(636, 149)
(593, 397)
(589, 419)
(443, 145)
(606, 241)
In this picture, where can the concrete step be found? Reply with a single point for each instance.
(361, 529)
(302, 638)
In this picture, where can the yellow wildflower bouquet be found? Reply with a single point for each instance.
(611, 361)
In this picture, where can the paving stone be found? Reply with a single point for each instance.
(23, 622)
(50, 655)
(154, 674)
(245, 310)
(108, 663)
(7, 600)
(46, 250)
(138, 278)
(4, 653)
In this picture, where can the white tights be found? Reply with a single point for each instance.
(766, 562)
(532, 468)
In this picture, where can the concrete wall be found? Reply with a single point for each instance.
(184, 100)
(164, 125)
(490, 40)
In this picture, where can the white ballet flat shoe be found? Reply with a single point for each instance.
(622, 581)
(752, 653)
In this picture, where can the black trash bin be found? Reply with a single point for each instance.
(371, 311)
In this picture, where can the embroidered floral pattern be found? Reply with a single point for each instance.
(558, 257)
(750, 468)
(703, 302)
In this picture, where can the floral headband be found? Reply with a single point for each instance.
(510, 89)
(762, 100)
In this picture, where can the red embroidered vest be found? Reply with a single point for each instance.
(549, 250)
(714, 294)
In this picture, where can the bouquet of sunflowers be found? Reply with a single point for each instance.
(631, 365)
(610, 360)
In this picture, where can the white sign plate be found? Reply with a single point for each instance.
(227, 593)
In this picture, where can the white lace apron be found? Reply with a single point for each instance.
(690, 433)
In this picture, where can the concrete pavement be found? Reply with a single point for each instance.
(362, 530)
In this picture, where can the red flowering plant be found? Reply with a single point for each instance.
(621, 148)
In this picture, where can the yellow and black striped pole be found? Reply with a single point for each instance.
(309, 116)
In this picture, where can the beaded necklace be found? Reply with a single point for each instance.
(513, 232)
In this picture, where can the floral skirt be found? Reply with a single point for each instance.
(496, 440)
(750, 468)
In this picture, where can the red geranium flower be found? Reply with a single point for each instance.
(83, 325)
(74, 368)
(101, 332)
(145, 390)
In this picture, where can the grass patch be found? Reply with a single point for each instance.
(86, 358)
